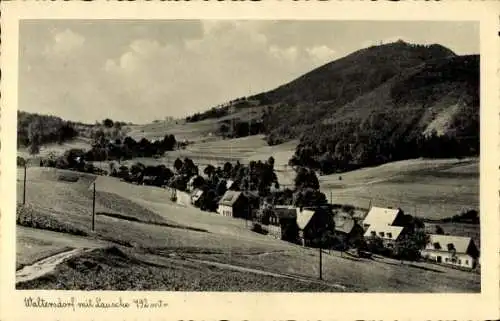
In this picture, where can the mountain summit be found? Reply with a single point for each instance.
(379, 104)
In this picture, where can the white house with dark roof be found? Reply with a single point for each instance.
(389, 234)
(452, 250)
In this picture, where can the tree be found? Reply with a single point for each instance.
(308, 197)
(221, 187)
(189, 168)
(21, 162)
(306, 178)
(99, 138)
(35, 132)
(209, 170)
(208, 201)
(228, 167)
(270, 162)
(108, 123)
(137, 171)
(198, 182)
(409, 247)
(375, 244)
(178, 164)
(34, 147)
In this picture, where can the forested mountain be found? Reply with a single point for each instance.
(378, 104)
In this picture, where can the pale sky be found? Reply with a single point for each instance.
(140, 71)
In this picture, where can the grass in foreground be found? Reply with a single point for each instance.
(113, 269)
(359, 275)
(30, 216)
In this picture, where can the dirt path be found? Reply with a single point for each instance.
(42, 267)
(261, 272)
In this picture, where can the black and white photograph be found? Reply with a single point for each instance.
(248, 155)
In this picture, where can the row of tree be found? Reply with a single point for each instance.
(103, 149)
(338, 151)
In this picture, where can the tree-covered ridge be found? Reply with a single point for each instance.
(400, 120)
(35, 130)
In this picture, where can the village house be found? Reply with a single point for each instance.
(346, 229)
(379, 216)
(388, 234)
(196, 196)
(280, 222)
(310, 220)
(451, 250)
(229, 183)
(190, 184)
(234, 204)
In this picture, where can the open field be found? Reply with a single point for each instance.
(56, 149)
(174, 247)
(433, 188)
(35, 244)
(182, 131)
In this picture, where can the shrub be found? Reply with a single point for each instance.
(257, 228)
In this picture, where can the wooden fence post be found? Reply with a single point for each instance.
(93, 210)
(320, 264)
(24, 185)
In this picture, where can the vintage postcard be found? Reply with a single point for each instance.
(274, 161)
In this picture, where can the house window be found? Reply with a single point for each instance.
(374, 233)
(459, 261)
(446, 259)
(466, 262)
(389, 235)
(382, 234)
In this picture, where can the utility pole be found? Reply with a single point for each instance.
(320, 264)
(93, 210)
(24, 186)
(331, 197)
(370, 205)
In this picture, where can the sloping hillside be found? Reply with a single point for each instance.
(379, 104)
(342, 80)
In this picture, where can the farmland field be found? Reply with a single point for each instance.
(427, 188)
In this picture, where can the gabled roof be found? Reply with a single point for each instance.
(344, 223)
(381, 216)
(229, 198)
(191, 180)
(394, 230)
(196, 194)
(461, 243)
(304, 217)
